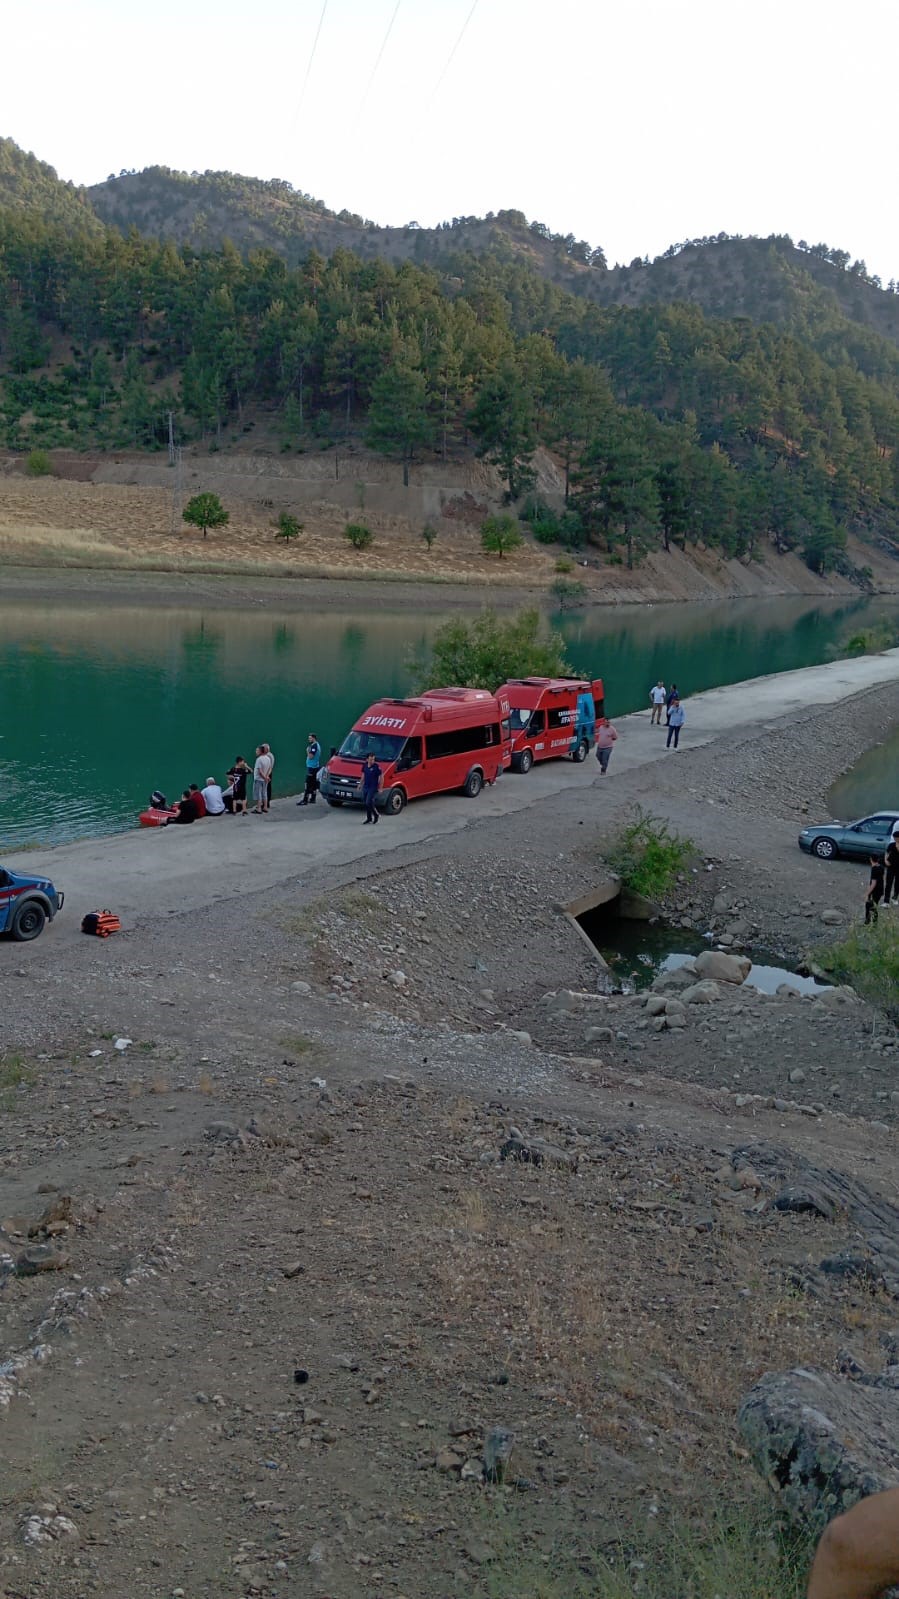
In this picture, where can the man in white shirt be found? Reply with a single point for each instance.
(657, 696)
(262, 771)
(215, 800)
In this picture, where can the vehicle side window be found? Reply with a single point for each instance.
(537, 722)
(561, 716)
(875, 824)
(411, 755)
(459, 741)
(4, 879)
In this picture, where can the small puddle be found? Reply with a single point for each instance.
(637, 952)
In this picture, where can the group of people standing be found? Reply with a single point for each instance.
(667, 700)
(233, 800)
(883, 885)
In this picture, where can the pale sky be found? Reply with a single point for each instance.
(632, 125)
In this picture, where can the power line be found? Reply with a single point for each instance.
(296, 115)
(451, 57)
(380, 54)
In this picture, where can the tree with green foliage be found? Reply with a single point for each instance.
(398, 418)
(288, 527)
(504, 423)
(568, 593)
(205, 511)
(499, 534)
(359, 535)
(429, 535)
(38, 464)
(487, 651)
(617, 493)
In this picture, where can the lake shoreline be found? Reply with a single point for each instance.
(227, 591)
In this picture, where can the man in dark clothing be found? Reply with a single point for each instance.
(313, 762)
(875, 889)
(196, 795)
(371, 782)
(891, 862)
(187, 810)
(672, 696)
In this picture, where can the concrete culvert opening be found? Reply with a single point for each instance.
(634, 944)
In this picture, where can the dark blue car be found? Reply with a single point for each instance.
(27, 904)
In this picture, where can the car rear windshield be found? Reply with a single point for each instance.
(383, 746)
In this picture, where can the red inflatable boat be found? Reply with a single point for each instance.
(154, 817)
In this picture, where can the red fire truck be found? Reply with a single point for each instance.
(551, 717)
(444, 739)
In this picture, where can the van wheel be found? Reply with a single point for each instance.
(580, 754)
(394, 802)
(525, 761)
(29, 920)
(473, 785)
(334, 804)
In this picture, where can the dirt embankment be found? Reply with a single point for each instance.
(123, 512)
(270, 1288)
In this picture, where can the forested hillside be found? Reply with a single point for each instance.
(671, 424)
(30, 185)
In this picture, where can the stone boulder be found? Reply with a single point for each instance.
(721, 968)
(823, 1441)
(704, 993)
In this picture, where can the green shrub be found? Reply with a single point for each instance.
(564, 565)
(39, 464)
(647, 855)
(567, 593)
(732, 1552)
(359, 535)
(429, 534)
(500, 534)
(546, 530)
(868, 959)
(488, 650)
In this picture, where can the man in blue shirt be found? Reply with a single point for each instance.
(313, 762)
(371, 782)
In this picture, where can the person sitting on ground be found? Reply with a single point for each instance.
(199, 802)
(187, 810)
(875, 889)
(214, 798)
(858, 1556)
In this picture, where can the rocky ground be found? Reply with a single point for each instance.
(392, 1176)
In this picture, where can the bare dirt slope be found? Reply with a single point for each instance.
(124, 511)
(296, 1287)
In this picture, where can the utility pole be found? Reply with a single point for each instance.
(171, 440)
(176, 487)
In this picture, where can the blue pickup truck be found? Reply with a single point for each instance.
(26, 904)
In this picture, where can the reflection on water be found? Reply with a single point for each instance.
(101, 704)
(872, 784)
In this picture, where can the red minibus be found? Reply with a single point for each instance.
(444, 739)
(552, 716)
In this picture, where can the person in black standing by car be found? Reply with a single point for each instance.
(371, 782)
(875, 889)
(891, 862)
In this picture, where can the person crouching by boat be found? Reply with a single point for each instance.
(186, 810)
(214, 798)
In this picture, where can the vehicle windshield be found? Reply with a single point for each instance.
(518, 719)
(383, 746)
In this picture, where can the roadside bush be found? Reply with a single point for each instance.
(39, 464)
(359, 535)
(731, 1552)
(647, 855)
(868, 959)
(288, 527)
(564, 565)
(882, 635)
(429, 534)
